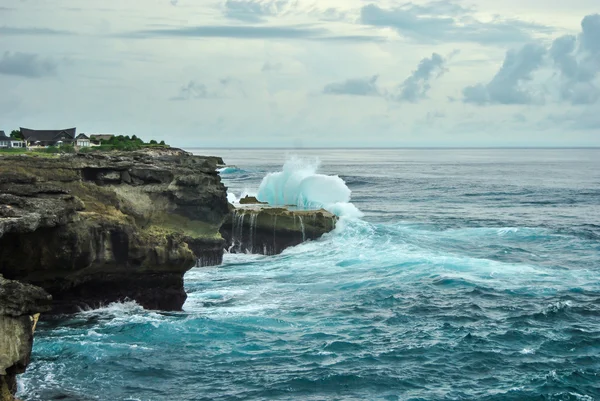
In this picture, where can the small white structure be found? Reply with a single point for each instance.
(8, 142)
(82, 141)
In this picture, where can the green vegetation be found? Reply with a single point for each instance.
(16, 134)
(50, 150)
(57, 149)
(123, 143)
(116, 142)
(13, 150)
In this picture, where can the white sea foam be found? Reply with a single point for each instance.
(234, 199)
(300, 185)
(527, 351)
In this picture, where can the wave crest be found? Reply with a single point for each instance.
(299, 185)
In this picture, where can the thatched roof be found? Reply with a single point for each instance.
(32, 135)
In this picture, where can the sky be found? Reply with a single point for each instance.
(306, 73)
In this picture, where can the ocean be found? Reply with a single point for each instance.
(454, 274)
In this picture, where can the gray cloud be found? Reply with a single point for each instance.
(194, 90)
(12, 31)
(506, 86)
(579, 65)
(415, 87)
(576, 61)
(446, 21)
(562, 52)
(354, 87)
(27, 65)
(590, 35)
(252, 32)
(197, 90)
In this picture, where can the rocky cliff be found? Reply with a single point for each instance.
(100, 227)
(20, 305)
(254, 227)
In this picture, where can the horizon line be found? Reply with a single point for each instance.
(389, 148)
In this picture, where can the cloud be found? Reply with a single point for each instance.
(590, 35)
(27, 65)
(416, 86)
(12, 31)
(413, 89)
(222, 89)
(446, 21)
(574, 60)
(194, 90)
(579, 63)
(506, 86)
(254, 11)
(253, 32)
(354, 87)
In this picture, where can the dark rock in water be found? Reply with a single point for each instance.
(251, 200)
(270, 230)
(20, 306)
(102, 227)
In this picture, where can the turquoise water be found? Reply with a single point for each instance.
(473, 275)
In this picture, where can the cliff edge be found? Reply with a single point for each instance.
(20, 306)
(96, 228)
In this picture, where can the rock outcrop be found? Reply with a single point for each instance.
(20, 306)
(269, 230)
(96, 228)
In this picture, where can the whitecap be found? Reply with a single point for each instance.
(299, 185)
(527, 351)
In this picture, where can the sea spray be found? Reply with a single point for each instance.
(300, 185)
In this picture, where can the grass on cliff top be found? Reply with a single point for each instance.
(171, 222)
(30, 153)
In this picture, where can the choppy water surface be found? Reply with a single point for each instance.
(473, 275)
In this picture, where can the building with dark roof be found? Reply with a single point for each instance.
(8, 142)
(82, 141)
(49, 137)
(98, 138)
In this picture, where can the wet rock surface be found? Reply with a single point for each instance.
(269, 230)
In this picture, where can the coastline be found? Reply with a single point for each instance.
(96, 228)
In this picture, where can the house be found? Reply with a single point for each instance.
(8, 142)
(82, 141)
(98, 138)
(49, 137)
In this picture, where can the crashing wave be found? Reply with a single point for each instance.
(299, 185)
(230, 170)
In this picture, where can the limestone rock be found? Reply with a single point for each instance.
(251, 200)
(20, 305)
(269, 230)
(94, 228)
(20, 299)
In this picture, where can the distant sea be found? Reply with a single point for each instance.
(469, 274)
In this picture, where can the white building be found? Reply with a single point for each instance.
(82, 141)
(8, 142)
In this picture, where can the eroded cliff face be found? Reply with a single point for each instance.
(101, 227)
(262, 229)
(20, 305)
